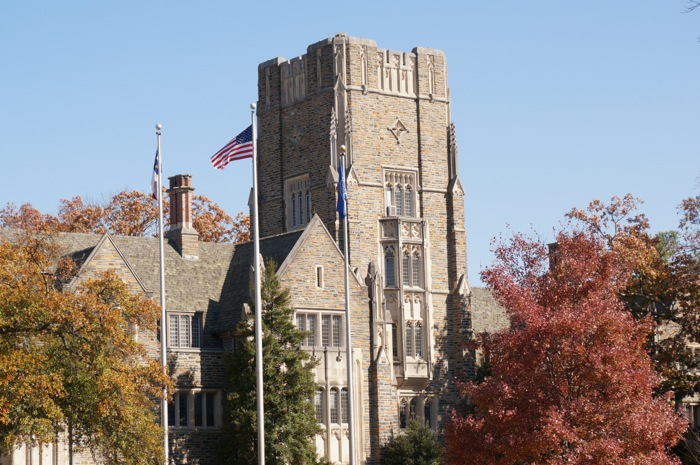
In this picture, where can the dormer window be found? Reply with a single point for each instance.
(184, 330)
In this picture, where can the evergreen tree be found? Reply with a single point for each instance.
(419, 445)
(289, 386)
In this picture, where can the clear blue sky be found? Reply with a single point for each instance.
(556, 103)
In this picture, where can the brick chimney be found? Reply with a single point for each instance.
(181, 233)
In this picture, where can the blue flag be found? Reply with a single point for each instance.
(342, 208)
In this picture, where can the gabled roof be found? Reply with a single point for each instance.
(281, 248)
(85, 257)
(189, 284)
(237, 283)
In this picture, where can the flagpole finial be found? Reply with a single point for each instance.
(159, 126)
(252, 106)
(343, 149)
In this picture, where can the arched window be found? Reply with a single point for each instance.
(412, 408)
(344, 405)
(428, 412)
(406, 269)
(402, 414)
(408, 202)
(400, 193)
(409, 341)
(415, 269)
(335, 405)
(301, 209)
(418, 332)
(398, 200)
(389, 267)
(297, 197)
(318, 405)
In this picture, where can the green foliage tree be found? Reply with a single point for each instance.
(418, 445)
(69, 361)
(290, 420)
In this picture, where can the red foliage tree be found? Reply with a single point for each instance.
(569, 382)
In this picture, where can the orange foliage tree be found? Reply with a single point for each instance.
(664, 285)
(128, 214)
(570, 381)
(69, 361)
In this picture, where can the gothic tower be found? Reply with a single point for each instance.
(406, 232)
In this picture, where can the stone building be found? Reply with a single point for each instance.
(406, 232)
(411, 305)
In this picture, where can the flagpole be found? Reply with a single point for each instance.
(163, 332)
(348, 341)
(258, 303)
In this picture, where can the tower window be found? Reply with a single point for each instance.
(415, 269)
(411, 266)
(418, 334)
(389, 267)
(409, 341)
(406, 269)
(297, 196)
(400, 189)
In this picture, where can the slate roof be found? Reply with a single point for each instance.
(238, 277)
(199, 285)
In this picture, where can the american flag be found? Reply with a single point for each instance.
(237, 148)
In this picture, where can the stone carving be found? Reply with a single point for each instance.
(389, 229)
(397, 129)
(396, 72)
(293, 77)
(295, 136)
(351, 179)
(415, 230)
(363, 68)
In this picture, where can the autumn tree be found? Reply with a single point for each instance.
(570, 381)
(290, 419)
(69, 361)
(127, 214)
(664, 284)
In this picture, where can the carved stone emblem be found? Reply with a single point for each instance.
(397, 129)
